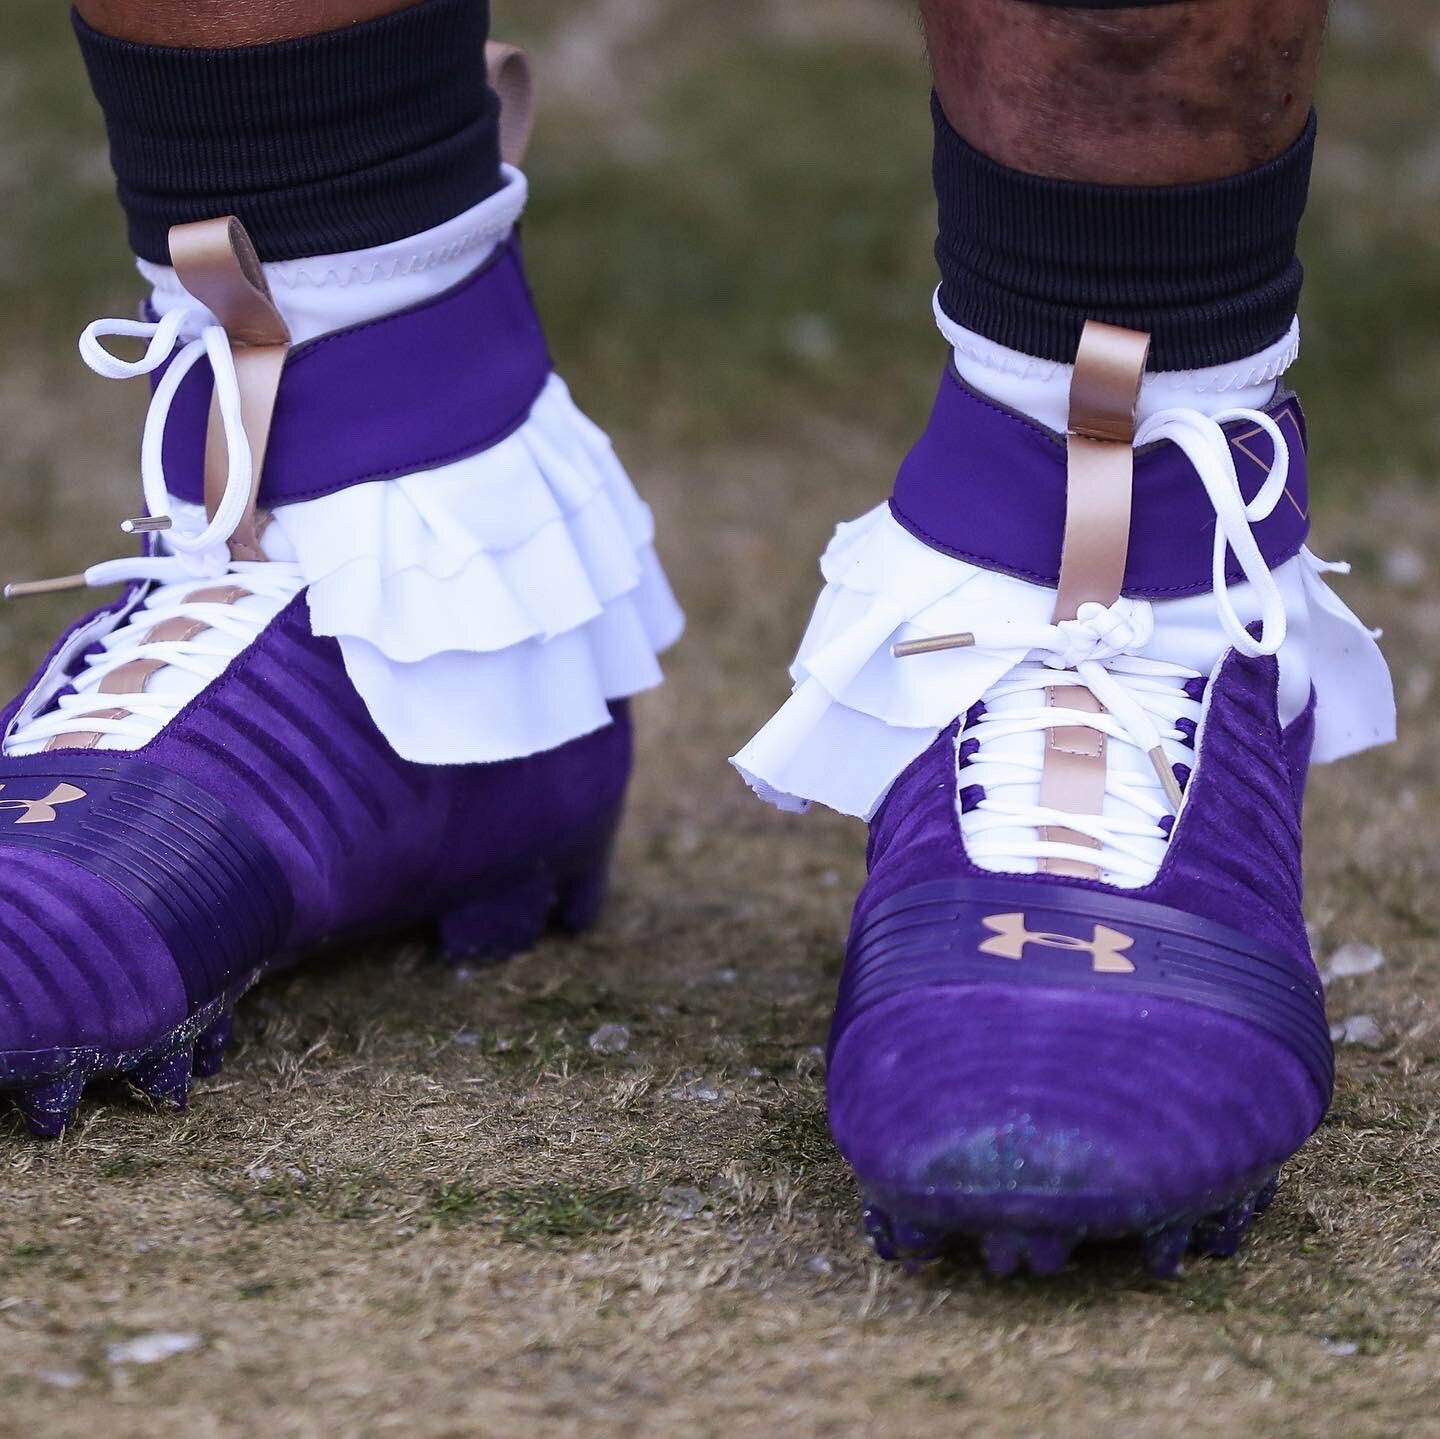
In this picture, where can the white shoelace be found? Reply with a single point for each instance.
(1145, 700)
(194, 555)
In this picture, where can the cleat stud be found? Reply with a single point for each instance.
(1047, 1253)
(210, 1047)
(48, 1108)
(1001, 1251)
(918, 1246)
(583, 897)
(896, 1241)
(881, 1234)
(1165, 1249)
(166, 1082)
(1221, 1233)
(496, 927)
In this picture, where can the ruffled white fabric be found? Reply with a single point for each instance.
(490, 608)
(857, 716)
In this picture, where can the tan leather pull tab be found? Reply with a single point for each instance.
(215, 261)
(507, 68)
(1104, 396)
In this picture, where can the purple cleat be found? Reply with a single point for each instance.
(371, 672)
(1078, 999)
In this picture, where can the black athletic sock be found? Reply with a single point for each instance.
(1209, 269)
(334, 142)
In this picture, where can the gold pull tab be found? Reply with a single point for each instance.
(215, 261)
(508, 70)
(1104, 398)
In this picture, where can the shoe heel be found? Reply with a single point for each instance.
(496, 926)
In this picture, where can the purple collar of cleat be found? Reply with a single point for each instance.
(423, 387)
(987, 485)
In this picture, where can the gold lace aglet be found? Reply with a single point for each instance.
(21, 588)
(145, 524)
(931, 646)
(1168, 782)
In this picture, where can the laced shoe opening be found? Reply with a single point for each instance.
(202, 607)
(103, 708)
(1149, 708)
(1000, 752)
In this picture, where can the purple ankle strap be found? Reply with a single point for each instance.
(425, 386)
(988, 486)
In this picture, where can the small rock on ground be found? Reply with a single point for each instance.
(1361, 1029)
(152, 1348)
(1352, 959)
(610, 1039)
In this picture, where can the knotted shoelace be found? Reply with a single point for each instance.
(192, 554)
(1146, 705)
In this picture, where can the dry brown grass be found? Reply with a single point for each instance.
(421, 1203)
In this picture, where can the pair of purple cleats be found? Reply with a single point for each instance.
(1073, 682)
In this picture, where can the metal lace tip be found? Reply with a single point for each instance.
(931, 646)
(1168, 782)
(145, 524)
(20, 588)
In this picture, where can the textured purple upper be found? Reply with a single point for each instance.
(968, 1085)
(988, 486)
(267, 816)
(1234, 858)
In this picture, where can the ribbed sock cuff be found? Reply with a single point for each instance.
(1208, 269)
(334, 142)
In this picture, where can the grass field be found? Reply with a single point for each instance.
(426, 1203)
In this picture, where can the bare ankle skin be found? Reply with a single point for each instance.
(220, 24)
(1157, 95)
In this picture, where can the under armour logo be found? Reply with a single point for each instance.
(1106, 949)
(42, 811)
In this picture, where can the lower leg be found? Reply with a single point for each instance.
(1146, 166)
(219, 24)
(321, 140)
(1150, 94)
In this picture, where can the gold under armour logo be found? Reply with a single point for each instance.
(42, 811)
(1106, 950)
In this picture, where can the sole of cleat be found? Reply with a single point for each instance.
(1048, 1253)
(1002, 1252)
(47, 1088)
(210, 1047)
(880, 1234)
(165, 1082)
(1221, 1234)
(1006, 1251)
(1165, 1250)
